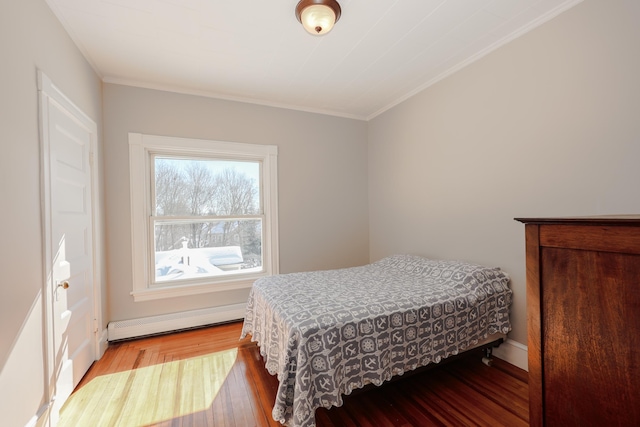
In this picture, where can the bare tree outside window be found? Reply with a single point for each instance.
(208, 217)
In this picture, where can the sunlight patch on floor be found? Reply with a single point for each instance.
(150, 394)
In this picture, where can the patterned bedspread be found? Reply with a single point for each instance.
(327, 333)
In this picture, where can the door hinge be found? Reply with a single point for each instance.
(95, 326)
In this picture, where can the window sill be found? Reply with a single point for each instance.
(162, 292)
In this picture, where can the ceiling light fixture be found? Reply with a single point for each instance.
(318, 16)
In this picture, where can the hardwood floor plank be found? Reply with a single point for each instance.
(417, 416)
(209, 377)
(494, 386)
(381, 403)
(485, 412)
(260, 382)
(166, 393)
(430, 399)
(239, 402)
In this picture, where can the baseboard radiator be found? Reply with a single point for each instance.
(135, 328)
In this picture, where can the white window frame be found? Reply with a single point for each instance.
(141, 149)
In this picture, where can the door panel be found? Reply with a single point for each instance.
(71, 224)
(67, 142)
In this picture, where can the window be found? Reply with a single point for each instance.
(204, 215)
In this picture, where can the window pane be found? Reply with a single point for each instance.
(200, 187)
(192, 250)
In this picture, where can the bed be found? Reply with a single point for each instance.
(326, 333)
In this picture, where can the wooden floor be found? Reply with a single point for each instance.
(208, 377)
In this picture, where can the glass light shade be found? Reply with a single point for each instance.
(318, 19)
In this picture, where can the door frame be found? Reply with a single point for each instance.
(49, 92)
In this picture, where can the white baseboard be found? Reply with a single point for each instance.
(514, 353)
(172, 322)
(41, 417)
(103, 343)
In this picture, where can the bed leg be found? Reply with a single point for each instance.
(488, 359)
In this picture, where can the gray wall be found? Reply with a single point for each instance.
(30, 37)
(547, 125)
(322, 179)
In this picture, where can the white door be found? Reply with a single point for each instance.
(67, 141)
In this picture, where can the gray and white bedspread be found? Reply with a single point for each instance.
(327, 333)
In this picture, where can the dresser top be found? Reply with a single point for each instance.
(611, 220)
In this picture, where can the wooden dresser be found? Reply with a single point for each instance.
(583, 313)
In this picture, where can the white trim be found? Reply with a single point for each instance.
(484, 52)
(140, 149)
(44, 86)
(42, 411)
(215, 95)
(103, 342)
(49, 92)
(149, 294)
(138, 182)
(97, 238)
(175, 321)
(514, 353)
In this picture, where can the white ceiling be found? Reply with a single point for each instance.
(379, 53)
